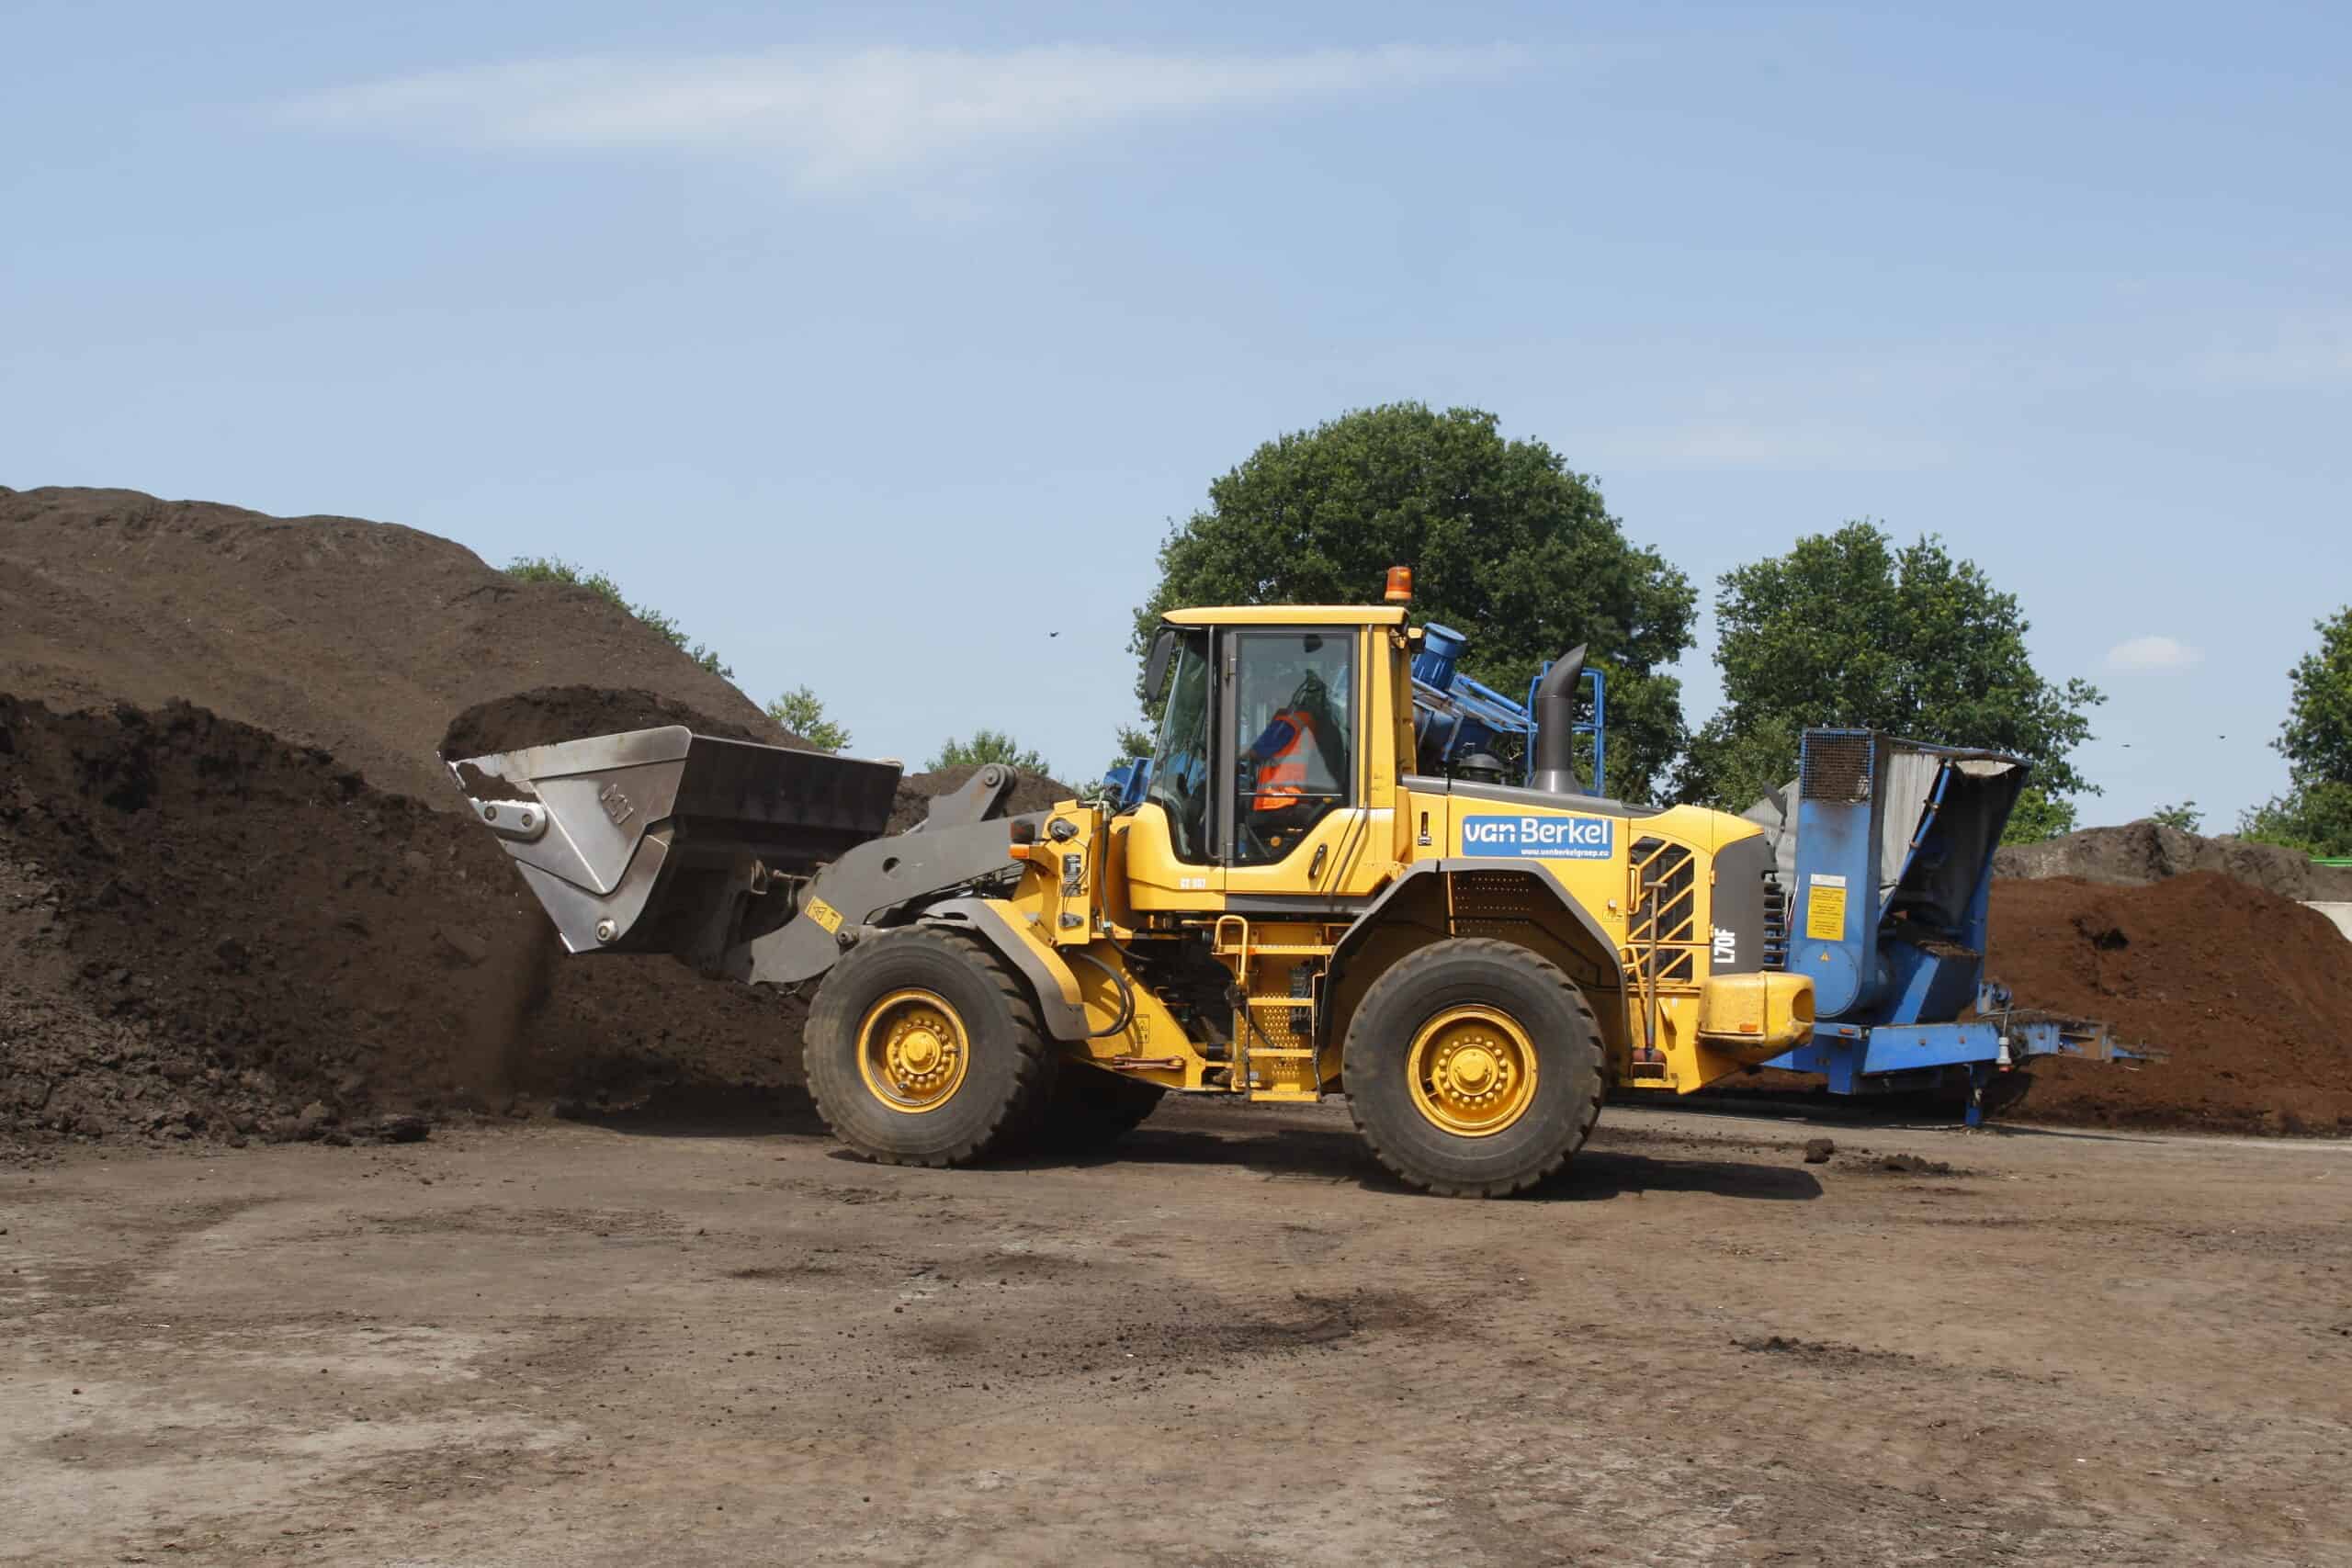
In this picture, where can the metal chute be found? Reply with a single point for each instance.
(651, 841)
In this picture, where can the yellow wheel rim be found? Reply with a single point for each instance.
(1472, 1071)
(912, 1051)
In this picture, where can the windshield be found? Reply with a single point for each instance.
(1179, 766)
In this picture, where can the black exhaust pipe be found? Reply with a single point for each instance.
(1555, 719)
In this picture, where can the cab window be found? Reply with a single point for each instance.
(1294, 696)
(1179, 763)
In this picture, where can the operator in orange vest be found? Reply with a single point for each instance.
(1289, 752)
(1283, 752)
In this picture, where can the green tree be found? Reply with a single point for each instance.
(802, 712)
(2036, 817)
(2316, 814)
(2315, 818)
(989, 746)
(555, 568)
(1132, 741)
(1507, 545)
(1850, 630)
(2184, 816)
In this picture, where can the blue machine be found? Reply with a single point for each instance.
(1456, 717)
(1884, 871)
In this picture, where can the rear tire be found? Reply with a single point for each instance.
(1473, 1068)
(1093, 1108)
(924, 1048)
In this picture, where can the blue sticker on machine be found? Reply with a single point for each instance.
(1543, 838)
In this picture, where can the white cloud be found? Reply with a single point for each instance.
(840, 118)
(2154, 653)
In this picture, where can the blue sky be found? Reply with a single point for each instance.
(874, 343)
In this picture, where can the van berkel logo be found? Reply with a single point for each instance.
(1543, 838)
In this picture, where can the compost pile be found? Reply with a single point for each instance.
(361, 638)
(2139, 854)
(215, 932)
(283, 927)
(2250, 994)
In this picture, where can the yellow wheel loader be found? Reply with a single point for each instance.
(1289, 908)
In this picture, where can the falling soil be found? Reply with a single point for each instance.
(2249, 993)
(212, 931)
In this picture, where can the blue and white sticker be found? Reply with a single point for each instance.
(1541, 837)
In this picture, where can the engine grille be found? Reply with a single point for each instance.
(1776, 921)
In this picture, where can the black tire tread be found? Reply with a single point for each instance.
(1401, 974)
(1034, 1055)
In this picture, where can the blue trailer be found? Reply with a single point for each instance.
(1883, 877)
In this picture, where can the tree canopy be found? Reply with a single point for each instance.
(1507, 543)
(1849, 629)
(802, 711)
(989, 746)
(2316, 814)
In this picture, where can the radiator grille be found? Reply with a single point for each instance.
(1665, 926)
(1776, 922)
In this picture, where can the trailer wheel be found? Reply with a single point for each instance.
(1091, 1108)
(1474, 1068)
(924, 1048)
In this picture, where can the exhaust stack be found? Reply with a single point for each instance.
(1555, 720)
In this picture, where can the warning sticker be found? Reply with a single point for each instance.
(825, 914)
(1825, 909)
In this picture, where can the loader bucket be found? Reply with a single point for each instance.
(648, 841)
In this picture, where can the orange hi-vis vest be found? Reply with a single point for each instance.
(1282, 771)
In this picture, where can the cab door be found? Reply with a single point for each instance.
(1291, 755)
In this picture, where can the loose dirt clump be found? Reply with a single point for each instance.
(204, 930)
(2250, 994)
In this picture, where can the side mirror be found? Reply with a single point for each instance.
(1156, 667)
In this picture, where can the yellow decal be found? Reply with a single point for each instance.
(824, 914)
(1825, 909)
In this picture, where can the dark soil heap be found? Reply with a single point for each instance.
(358, 638)
(204, 930)
(2250, 993)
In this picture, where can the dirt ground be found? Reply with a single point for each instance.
(729, 1342)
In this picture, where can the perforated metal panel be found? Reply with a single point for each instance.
(1838, 767)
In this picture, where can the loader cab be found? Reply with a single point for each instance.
(1264, 768)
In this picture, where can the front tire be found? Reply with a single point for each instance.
(1473, 1068)
(924, 1048)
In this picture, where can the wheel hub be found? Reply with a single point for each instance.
(912, 1051)
(1472, 1071)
